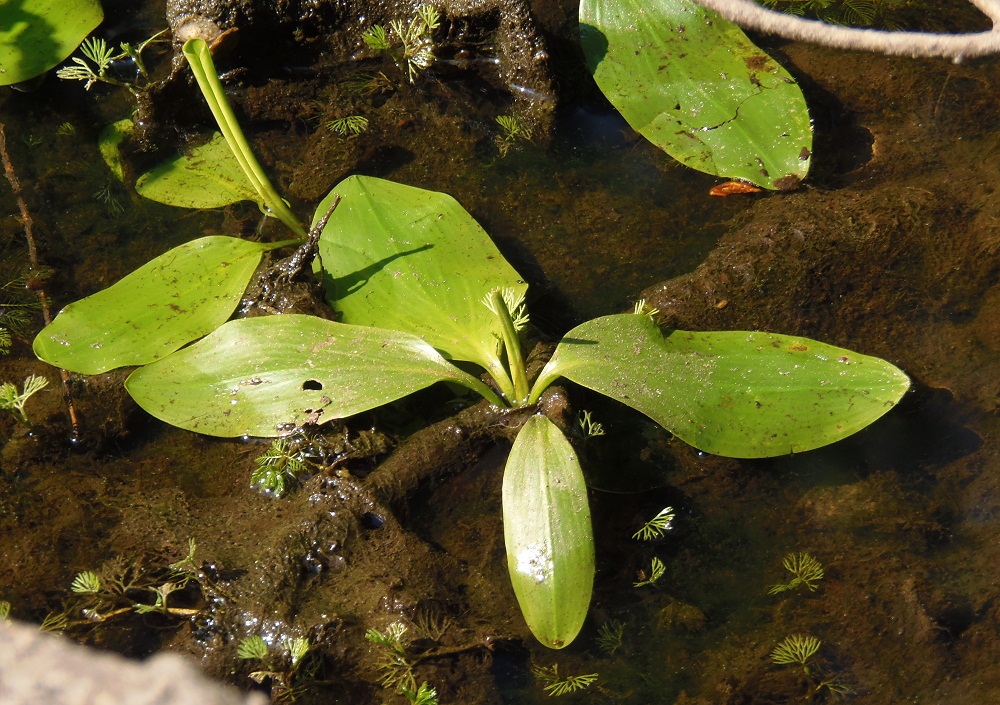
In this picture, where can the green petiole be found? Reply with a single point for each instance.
(200, 58)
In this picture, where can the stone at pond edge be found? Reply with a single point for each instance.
(39, 668)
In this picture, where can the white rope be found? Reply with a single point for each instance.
(749, 15)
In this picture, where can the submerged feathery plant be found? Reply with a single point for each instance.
(657, 526)
(797, 648)
(656, 571)
(805, 570)
(561, 685)
(12, 400)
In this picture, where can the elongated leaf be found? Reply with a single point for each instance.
(404, 258)
(263, 376)
(37, 35)
(208, 176)
(547, 532)
(693, 84)
(178, 297)
(733, 393)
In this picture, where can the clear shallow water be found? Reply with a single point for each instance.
(903, 517)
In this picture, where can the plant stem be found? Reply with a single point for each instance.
(512, 344)
(200, 58)
(478, 386)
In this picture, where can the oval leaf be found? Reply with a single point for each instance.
(733, 393)
(178, 297)
(208, 176)
(693, 84)
(37, 35)
(547, 533)
(264, 376)
(400, 257)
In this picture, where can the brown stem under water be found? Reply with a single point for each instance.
(26, 220)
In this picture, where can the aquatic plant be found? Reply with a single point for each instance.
(656, 571)
(252, 647)
(396, 664)
(694, 85)
(444, 293)
(610, 635)
(419, 286)
(351, 124)
(121, 588)
(556, 684)
(585, 426)
(289, 669)
(657, 526)
(424, 695)
(278, 467)
(513, 129)
(796, 648)
(805, 570)
(410, 44)
(29, 48)
(13, 400)
(200, 59)
(99, 57)
(86, 583)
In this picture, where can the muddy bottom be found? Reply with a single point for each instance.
(890, 249)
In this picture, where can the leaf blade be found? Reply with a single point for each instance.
(695, 86)
(34, 41)
(547, 533)
(208, 176)
(413, 260)
(735, 393)
(177, 297)
(255, 376)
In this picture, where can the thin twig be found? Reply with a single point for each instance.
(956, 47)
(15, 186)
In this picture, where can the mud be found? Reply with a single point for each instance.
(889, 249)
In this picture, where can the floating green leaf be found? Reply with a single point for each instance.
(262, 376)
(35, 35)
(208, 176)
(178, 297)
(547, 532)
(404, 258)
(734, 393)
(693, 84)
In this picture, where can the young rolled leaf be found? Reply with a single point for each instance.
(206, 177)
(178, 297)
(37, 35)
(400, 257)
(263, 376)
(733, 393)
(693, 84)
(547, 533)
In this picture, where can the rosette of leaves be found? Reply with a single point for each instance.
(419, 287)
